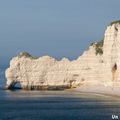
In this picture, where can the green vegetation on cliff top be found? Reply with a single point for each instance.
(27, 55)
(114, 22)
(98, 47)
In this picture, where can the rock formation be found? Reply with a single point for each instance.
(99, 65)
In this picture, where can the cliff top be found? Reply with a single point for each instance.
(27, 55)
(115, 22)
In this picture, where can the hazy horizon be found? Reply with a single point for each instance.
(62, 28)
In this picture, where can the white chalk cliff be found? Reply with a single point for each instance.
(99, 65)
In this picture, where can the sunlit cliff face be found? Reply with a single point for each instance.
(99, 65)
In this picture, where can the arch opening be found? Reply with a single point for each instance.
(14, 85)
(114, 69)
(17, 85)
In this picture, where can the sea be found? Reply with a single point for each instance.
(56, 105)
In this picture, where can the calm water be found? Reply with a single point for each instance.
(55, 105)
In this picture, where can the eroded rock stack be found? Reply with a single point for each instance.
(99, 65)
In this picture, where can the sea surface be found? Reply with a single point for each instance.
(55, 105)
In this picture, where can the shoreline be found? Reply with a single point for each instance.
(101, 90)
(109, 91)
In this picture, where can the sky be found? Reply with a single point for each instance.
(59, 28)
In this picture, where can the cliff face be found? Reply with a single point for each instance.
(112, 53)
(99, 65)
